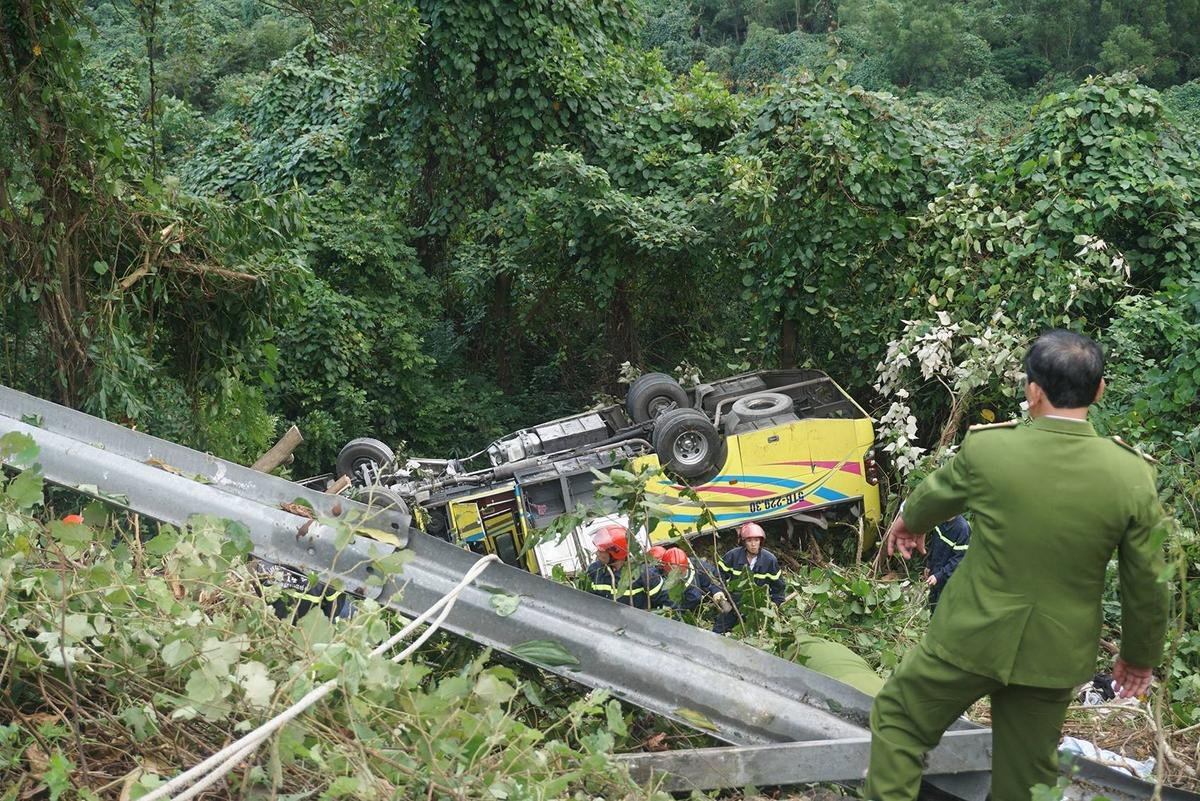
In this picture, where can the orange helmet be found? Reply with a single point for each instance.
(613, 540)
(76, 519)
(751, 530)
(676, 559)
(656, 551)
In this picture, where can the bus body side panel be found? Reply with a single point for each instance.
(807, 464)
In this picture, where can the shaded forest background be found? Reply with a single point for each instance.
(435, 222)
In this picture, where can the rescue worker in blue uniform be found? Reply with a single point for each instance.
(301, 593)
(699, 579)
(607, 575)
(749, 562)
(947, 548)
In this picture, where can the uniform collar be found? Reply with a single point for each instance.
(1065, 425)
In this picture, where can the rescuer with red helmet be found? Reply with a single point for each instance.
(698, 578)
(644, 590)
(746, 566)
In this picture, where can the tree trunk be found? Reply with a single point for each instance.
(503, 334)
(787, 343)
(46, 254)
(623, 342)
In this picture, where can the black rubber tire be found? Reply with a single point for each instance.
(358, 453)
(652, 395)
(688, 444)
(762, 405)
(382, 499)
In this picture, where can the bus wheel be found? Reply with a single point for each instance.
(382, 499)
(762, 405)
(688, 445)
(363, 459)
(653, 394)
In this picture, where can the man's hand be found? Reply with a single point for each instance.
(899, 538)
(931, 580)
(1131, 681)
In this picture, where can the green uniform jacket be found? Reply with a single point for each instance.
(1050, 502)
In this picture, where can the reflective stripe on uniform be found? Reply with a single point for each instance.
(603, 587)
(729, 569)
(947, 540)
(312, 599)
(769, 576)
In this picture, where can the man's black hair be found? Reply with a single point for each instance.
(1067, 366)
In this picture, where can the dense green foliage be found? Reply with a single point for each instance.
(926, 43)
(393, 220)
(433, 222)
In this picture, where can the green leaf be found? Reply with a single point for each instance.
(695, 718)
(253, 679)
(493, 690)
(25, 490)
(58, 777)
(100, 267)
(614, 718)
(505, 604)
(394, 562)
(201, 688)
(95, 514)
(162, 543)
(313, 629)
(176, 652)
(70, 535)
(77, 626)
(17, 448)
(545, 652)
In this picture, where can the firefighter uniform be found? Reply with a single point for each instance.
(947, 547)
(645, 590)
(736, 572)
(1050, 503)
(699, 582)
(735, 567)
(302, 593)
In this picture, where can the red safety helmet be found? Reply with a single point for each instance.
(751, 530)
(676, 558)
(613, 540)
(657, 551)
(76, 519)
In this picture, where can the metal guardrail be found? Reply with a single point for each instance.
(732, 691)
(793, 763)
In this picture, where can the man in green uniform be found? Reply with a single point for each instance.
(1051, 502)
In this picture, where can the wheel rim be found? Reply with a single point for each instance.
(366, 469)
(690, 448)
(658, 405)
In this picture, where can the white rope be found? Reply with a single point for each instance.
(264, 732)
(224, 760)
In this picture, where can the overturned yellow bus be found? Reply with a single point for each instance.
(758, 446)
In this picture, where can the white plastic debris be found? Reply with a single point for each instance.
(1142, 770)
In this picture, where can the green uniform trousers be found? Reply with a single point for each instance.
(927, 694)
